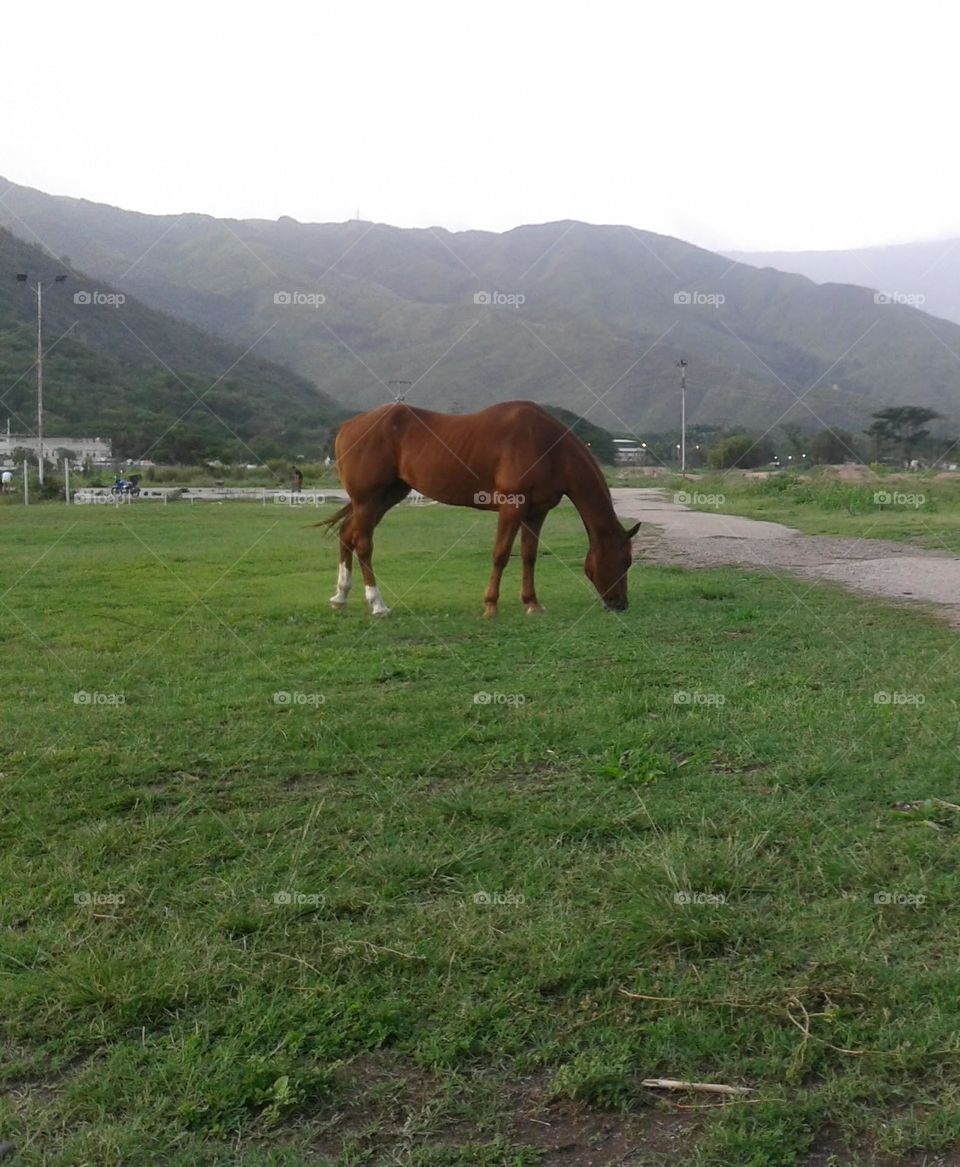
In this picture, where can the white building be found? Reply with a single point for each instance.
(630, 451)
(81, 449)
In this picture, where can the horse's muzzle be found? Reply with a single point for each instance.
(621, 607)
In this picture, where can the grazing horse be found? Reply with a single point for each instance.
(513, 458)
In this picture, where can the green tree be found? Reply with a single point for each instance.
(828, 447)
(740, 450)
(797, 439)
(901, 426)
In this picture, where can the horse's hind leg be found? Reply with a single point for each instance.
(365, 519)
(344, 573)
(366, 515)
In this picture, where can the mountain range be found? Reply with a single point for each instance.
(925, 275)
(590, 318)
(156, 386)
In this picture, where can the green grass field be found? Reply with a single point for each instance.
(373, 920)
(921, 509)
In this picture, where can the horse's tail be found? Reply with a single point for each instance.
(339, 519)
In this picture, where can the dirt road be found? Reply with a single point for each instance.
(674, 534)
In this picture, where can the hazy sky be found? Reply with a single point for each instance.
(729, 124)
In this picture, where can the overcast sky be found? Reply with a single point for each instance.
(733, 125)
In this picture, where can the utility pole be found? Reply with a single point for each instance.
(38, 290)
(40, 382)
(682, 366)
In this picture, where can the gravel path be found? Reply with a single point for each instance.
(673, 534)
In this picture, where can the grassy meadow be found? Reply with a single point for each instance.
(922, 509)
(284, 887)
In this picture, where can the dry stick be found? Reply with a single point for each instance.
(298, 959)
(701, 1087)
(805, 1030)
(797, 1060)
(778, 1010)
(706, 1001)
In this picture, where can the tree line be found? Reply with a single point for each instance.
(897, 434)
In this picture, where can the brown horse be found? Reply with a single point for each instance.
(513, 458)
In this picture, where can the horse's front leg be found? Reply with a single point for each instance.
(507, 525)
(529, 545)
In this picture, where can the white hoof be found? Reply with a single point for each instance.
(339, 601)
(375, 600)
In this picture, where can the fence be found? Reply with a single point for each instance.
(105, 496)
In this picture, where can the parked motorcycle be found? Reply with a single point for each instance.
(127, 486)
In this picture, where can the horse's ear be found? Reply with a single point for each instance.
(633, 530)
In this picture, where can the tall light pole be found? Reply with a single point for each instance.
(22, 278)
(682, 366)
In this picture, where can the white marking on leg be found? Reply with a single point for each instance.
(375, 600)
(344, 576)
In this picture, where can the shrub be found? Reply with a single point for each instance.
(740, 450)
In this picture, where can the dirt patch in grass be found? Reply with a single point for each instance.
(397, 1112)
(573, 1135)
(398, 1109)
(830, 1150)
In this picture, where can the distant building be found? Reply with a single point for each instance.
(82, 449)
(628, 451)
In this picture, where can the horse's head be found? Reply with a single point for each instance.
(607, 565)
